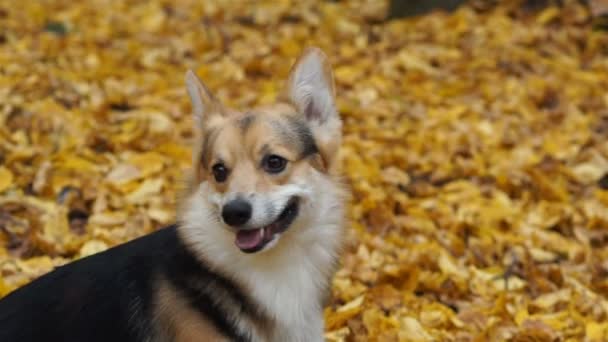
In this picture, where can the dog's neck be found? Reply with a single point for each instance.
(290, 281)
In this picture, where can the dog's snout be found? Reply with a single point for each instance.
(236, 212)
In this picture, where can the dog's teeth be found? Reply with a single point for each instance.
(267, 231)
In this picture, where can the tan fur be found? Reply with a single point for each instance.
(180, 320)
(245, 174)
(232, 145)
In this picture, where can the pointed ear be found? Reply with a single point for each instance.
(203, 102)
(311, 86)
(310, 89)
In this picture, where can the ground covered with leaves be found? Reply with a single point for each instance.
(476, 148)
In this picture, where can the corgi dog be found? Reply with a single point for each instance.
(256, 242)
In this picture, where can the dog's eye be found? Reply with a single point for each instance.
(220, 172)
(274, 163)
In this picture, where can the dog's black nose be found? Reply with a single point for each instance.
(236, 212)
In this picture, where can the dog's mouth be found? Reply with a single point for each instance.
(254, 240)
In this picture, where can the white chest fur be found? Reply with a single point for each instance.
(292, 290)
(288, 281)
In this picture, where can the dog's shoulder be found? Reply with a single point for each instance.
(149, 289)
(104, 296)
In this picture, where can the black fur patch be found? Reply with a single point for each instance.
(109, 296)
(307, 141)
(204, 289)
(297, 134)
(245, 122)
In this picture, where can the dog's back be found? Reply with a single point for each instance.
(99, 298)
(114, 296)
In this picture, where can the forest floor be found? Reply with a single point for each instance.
(475, 146)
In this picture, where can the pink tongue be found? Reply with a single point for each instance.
(247, 239)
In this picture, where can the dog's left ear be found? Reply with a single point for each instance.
(310, 88)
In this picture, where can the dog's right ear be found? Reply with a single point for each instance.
(204, 104)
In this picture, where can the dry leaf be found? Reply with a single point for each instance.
(474, 148)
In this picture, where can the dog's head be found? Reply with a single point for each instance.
(266, 172)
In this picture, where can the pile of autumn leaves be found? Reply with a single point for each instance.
(475, 148)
